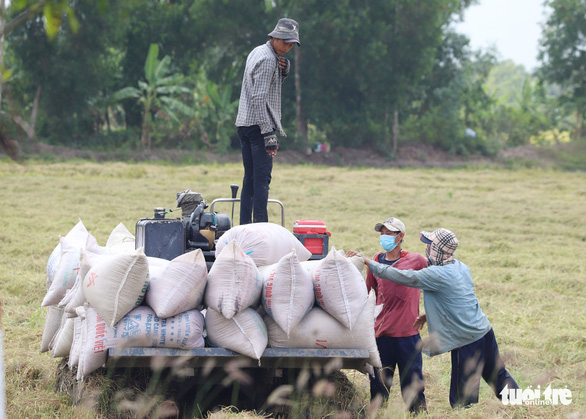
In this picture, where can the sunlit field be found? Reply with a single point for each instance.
(522, 233)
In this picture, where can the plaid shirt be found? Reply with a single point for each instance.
(260, 97)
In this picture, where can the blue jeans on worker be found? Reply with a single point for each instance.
(475, 360)
(258, 166)
(404, 352)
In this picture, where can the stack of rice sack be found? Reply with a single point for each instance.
(235, 284)
(304, 304)
(96, 299)
(261, 291)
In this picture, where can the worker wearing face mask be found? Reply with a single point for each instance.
(397, 336)
(456, 322)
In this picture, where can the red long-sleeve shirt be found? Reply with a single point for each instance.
(401, 303)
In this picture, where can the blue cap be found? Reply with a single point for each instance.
(424, 238)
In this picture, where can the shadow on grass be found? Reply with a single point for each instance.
(188, 393)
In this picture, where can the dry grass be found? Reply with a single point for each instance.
(521, 232)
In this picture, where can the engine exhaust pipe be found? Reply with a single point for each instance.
(234, 193)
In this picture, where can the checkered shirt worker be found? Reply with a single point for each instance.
(259, 117)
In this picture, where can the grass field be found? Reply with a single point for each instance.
(521, 232)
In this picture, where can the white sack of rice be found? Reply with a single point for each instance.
(116, 285)
(73, 360)
(234, 282)
(265, 243)
(245, 333)
(78, 234)
(120, 239)
(61, 344)
(52, 324)
(340, 288)
(142, 328)
(287, 291)
(94, 332)
(68, 265)
(180, 286)
(320, 330)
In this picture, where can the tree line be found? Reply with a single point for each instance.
(104, 74)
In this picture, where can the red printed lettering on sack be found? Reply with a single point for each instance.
(318, 294)
(268, 291)
(269, 287)
(92, 279)
(99, 346)
(100, 334)
(321, 343)
(100, 330)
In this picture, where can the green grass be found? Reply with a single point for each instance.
(571, 156)
(521, 232)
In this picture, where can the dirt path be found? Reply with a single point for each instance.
(407, 156)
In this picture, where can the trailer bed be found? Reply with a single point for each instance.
(218, 357)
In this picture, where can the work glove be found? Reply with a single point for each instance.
(285, 65)
(271, 142)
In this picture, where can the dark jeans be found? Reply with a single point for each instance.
(405, 353)
(475, 360)
(258, 166)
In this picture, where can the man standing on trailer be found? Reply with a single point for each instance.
(259, 117)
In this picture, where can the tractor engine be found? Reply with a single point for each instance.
(168, 238)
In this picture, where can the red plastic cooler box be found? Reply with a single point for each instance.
(313, 235)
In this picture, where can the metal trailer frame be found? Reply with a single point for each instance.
(273, 358)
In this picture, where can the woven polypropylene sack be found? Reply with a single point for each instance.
(339, 288)
(180, 287)
(75, 294)
(265, 243)
(93, 352)
(357, 261)
(320, 330)
(53, 264)
(157, 267)
(61, 344)
(116, 285)
(66, 272)
(120, 239)
(73, 360)
(92, 245)
(234, 282)
(142, 328)
(77, 234)
(70, 293)
(287, 291)
(245, 333)
(309, 265)
(52, 324)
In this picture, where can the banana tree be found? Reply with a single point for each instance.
(158, 94)
(214, 112)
